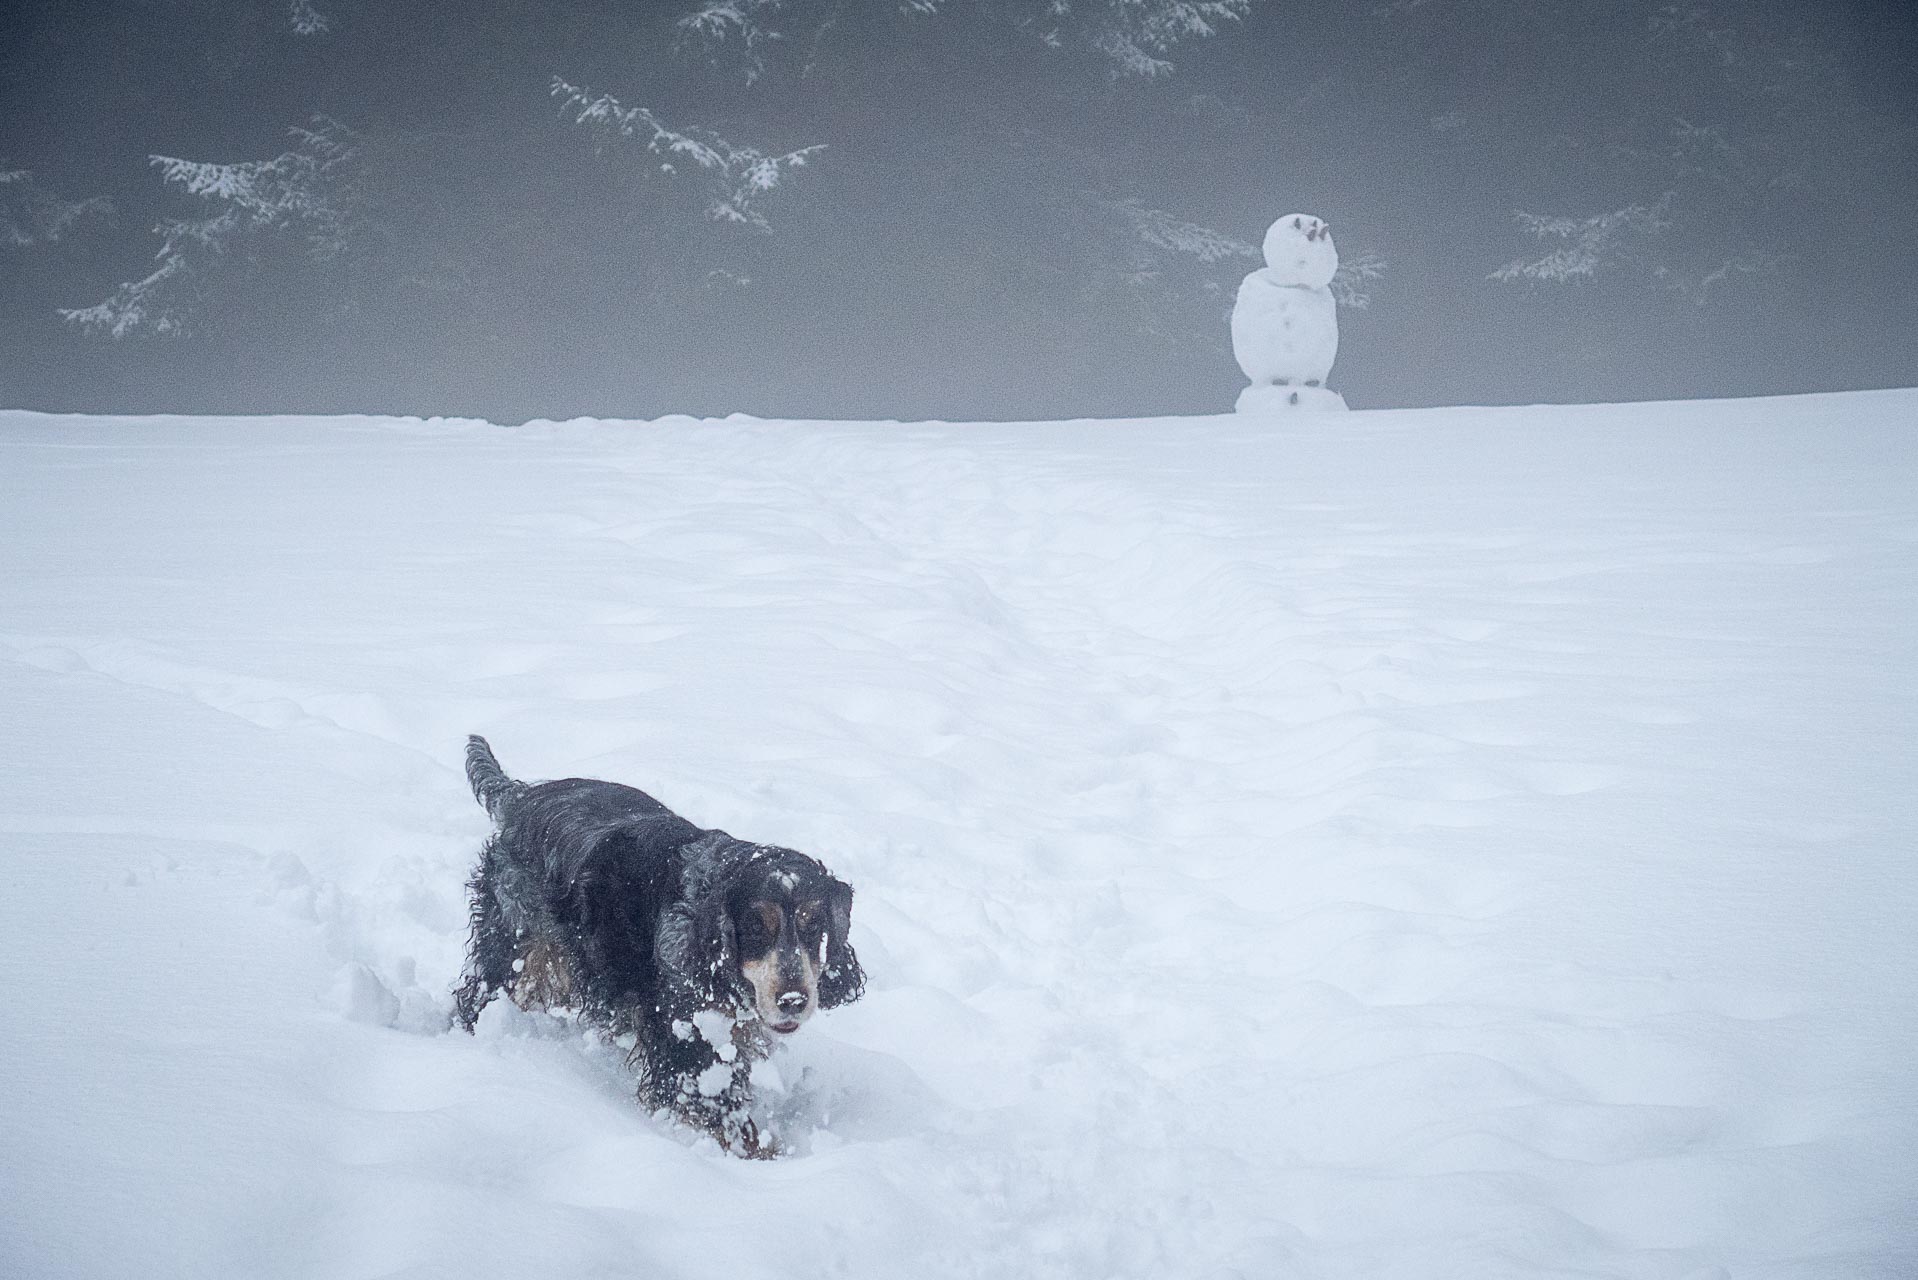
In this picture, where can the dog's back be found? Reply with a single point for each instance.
(564, 857)
(557, 827)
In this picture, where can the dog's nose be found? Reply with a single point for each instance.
(792, 1002)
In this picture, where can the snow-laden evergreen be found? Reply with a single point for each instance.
(740, 176)
(308, 192)
(31, 215)
(1454, 843)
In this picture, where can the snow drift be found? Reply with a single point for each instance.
(1460, 842)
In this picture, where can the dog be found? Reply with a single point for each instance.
(699, 950)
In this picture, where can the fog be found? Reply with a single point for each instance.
(1006, 212)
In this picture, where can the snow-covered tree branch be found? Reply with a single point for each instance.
(1135, 36)
(1760, 119)
(747, 24)
(307, 20)
(1695, 267)
(30, 215)
(740, 177)
(157, 303)
(1351, 285)
(1138, 35)
(1585, 246)
(307, 191)
(1162, 230)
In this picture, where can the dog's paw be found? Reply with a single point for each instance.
(752, 1144)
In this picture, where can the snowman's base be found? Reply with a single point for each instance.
(1289, 398)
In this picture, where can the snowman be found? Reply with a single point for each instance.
(1285, 326)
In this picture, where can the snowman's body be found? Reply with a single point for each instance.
(1285, 325)
(1284, 333)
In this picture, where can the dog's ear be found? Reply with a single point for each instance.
(719, 952)
(842, 980)
(697, 951)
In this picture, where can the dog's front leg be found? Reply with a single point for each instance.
(704, 1086)
(727, 1113)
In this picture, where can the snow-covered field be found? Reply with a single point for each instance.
(1454, 843)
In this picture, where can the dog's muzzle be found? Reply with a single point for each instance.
(793, 1009)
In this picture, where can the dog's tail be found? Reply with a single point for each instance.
(491, 787)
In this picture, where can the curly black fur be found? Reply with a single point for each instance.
(595, 896)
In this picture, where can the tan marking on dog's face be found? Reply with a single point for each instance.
(763, 976)
(788, 966)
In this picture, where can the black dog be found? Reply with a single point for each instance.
(702, 948)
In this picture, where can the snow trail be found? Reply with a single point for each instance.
(1418, 844)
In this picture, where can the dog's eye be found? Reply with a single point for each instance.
(810, 919)
(758, 929)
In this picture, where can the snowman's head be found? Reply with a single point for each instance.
(1298, 250)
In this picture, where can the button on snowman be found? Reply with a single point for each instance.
(1285, 325)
